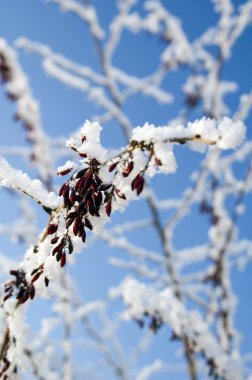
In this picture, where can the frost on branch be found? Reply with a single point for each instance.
(18, 90)
(193, 283)
(163, 307)
(16, 179)
(99, 185)
(86, 12)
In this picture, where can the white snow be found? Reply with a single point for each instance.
(16, 179)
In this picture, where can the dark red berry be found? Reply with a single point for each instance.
(52, 228)
(64, 188)
(108, 208)
(7, 296)
(32, 292)
(36, 277)
(113, 166)
(58, 247)
(83, 236)
(54, 240)
(88, 224)
(63, 260)
(64, 172)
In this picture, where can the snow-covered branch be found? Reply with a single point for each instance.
(16, 179)
(179, 246)
(27, 108)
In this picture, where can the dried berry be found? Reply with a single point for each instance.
(70, 245)
(70, 221)
(54, 240)
(80, 229)
(64, 188)
(158, 161)
(83, 236)
(130, 166)
(138, 184)
(24, 297)
(88, 224)
(105, 186)
(98, 200)
(76, 225)
(108, 208)
(81, 173)
(113, 166)
(91, 208)
(32, 292)
(88, 181)
(83, 155)
(64, 172)
(128, 170)
(52, 228)
(13, 272)
(80, 184)
(82, 207)
(63, 260)
(58, 247)
(36, 277)
(19, 285)
(59, 255)
(72, 196)
(35, 271)
(7, 296)
(119, 194)
(98, 180)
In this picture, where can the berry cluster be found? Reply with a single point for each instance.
(84, 194)
(155, 321)
(85, 197)
(20, 286)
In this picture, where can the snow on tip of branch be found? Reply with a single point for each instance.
(225, 7)
(244, 107)
(232, 133)
(16, 179)
(66, 168)
(90, 141)
(116, 26)
(159, 20)
(243, 19)
(225, 134)
(179, 49)
(150, 370)
(86, 12)
(141, 299)
(231, 23)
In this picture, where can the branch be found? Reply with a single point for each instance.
(16, 179)
(142, 299)
(18, 89)
(88, 200)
